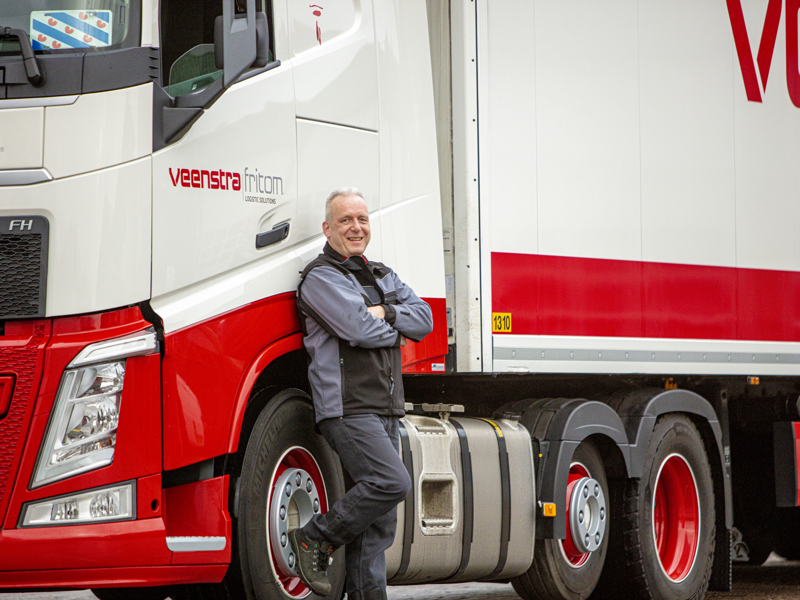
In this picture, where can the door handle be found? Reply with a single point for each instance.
(277, 234)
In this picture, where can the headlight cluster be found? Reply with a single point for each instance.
(82, 431)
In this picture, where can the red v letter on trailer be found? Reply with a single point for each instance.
(176, 178)
(792, 72)
(765, 49)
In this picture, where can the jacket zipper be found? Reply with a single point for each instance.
(391, 375)
(344, 386)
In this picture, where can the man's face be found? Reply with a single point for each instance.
(348, 231)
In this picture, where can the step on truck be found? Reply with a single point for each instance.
(597, 200)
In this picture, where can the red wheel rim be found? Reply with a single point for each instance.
(676, 518)
(574, 557)
(295, 458)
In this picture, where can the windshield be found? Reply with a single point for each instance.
(56, 26)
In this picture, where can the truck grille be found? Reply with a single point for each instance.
(23, 266)
(20, 361)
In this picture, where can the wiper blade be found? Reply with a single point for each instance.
(28, 59)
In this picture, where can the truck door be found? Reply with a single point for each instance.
(233, 175)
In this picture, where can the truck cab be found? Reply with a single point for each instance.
(163, 169)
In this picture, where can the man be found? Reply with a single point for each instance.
(356, 314)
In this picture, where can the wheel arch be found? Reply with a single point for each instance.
(559, 426)
(622, 428)
(639, 412)
(281, 365)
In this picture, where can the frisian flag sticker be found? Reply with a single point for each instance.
(53, 30)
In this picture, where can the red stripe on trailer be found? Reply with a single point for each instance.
(558, 295)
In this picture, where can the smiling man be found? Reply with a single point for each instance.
(356, 314)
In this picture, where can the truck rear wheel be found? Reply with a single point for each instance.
(289, 473)
(563, 569)
(663, 540)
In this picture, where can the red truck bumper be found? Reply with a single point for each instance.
(134, 552)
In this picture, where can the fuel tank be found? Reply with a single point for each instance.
(471, 512)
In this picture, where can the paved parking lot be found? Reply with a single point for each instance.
(777, 580)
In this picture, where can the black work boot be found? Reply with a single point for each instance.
(312, 561)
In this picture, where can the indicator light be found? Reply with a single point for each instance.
(101, 505)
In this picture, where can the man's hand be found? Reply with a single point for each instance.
(377, 311)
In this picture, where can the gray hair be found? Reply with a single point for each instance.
(342, 191)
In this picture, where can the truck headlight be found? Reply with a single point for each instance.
(82, 431)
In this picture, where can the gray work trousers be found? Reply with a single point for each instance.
(364, 520)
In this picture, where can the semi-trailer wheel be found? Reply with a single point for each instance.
(569, 569)
(663, 539)
(289, 473)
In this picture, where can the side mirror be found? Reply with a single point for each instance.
(240, 42)
(234, 53)
(235, 41)
(262, 41)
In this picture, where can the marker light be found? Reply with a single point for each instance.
(82, 431)
(94, 506)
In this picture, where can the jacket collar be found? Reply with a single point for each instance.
(351, 262)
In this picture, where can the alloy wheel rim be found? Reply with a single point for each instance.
(676, 518)
(297, 492)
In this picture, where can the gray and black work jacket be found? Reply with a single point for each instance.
(355, 358)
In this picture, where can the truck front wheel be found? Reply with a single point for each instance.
(289, 474)
(569, 569)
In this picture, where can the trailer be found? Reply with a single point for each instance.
(597, 200)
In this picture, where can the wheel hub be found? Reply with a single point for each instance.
(587, 515)
(295, 500)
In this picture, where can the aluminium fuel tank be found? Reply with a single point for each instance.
(471, 512)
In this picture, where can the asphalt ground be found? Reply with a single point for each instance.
(778, 579)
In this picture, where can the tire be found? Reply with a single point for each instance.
(677, 474)
(560, 571)
(282, 441)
